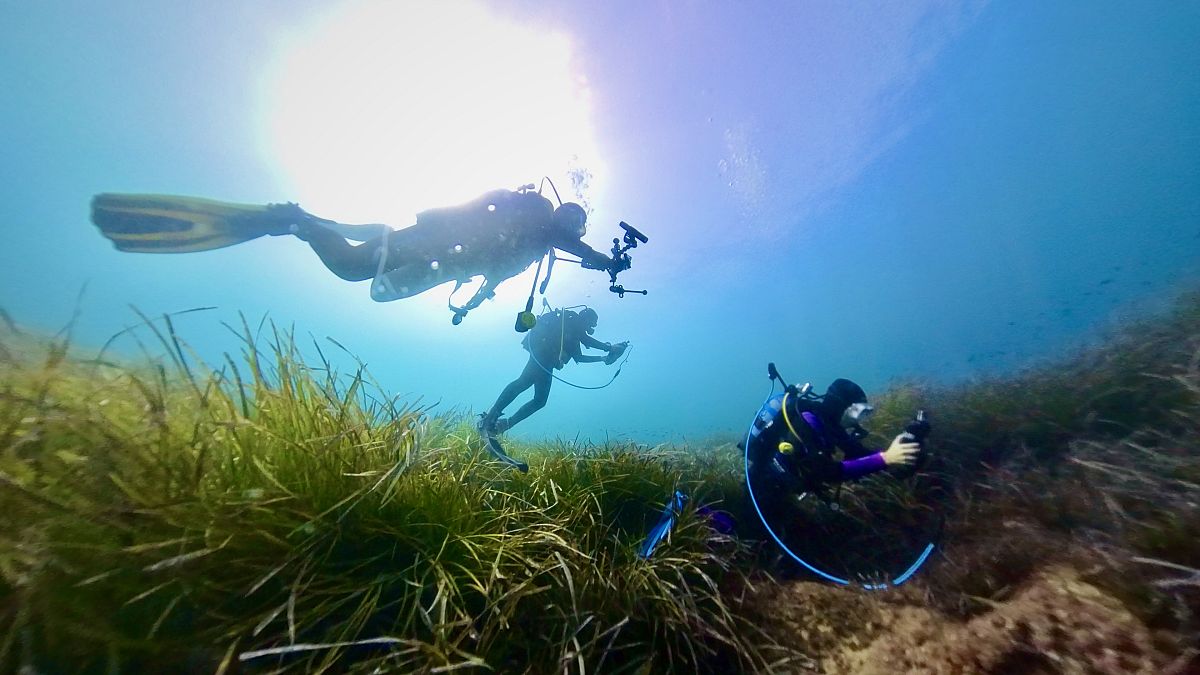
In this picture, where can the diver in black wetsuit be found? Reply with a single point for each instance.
(557, 338)
(794, 438)
(497, 235)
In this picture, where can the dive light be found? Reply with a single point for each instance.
(526, 319)
(634, 233)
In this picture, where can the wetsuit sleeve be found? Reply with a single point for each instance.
(592, 259)
(857, 468)
(862, 460)
(589, 341)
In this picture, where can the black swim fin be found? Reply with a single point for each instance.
(173, 224)
(495, 449)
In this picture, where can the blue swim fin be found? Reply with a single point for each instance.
(665, 523)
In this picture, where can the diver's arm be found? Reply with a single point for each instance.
(593, 343)
(853, 469)
(860, 460)
(900, 453)
(587, 359)
(590, 258)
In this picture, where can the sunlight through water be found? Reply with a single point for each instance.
(376, 111)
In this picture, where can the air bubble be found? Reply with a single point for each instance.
(491, 207)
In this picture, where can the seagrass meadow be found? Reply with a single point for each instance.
(159, 517)
(268, 514)
(348, 228)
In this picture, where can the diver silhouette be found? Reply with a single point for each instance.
(497, 235)
(558, 337)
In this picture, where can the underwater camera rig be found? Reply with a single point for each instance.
(918, 427)
(916, 431)
(621, 260)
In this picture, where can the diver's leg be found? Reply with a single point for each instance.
(484, 292)
(541, 392)
(356, 262)
(353, 232)
(406, 281)
(514, 389)
(349, 261)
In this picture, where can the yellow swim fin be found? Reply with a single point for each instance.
(172, 224)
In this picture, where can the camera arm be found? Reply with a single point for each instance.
(621, 260)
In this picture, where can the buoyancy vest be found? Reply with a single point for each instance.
(788, 437)
(554, 339)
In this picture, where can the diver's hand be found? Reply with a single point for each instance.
(615, 351)
(596, 261)
(600, 263)
(901, 452)
(620, 264)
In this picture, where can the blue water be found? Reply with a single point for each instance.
(932, 192)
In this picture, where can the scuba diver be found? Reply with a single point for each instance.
(556, 338)
(795, 480)
(497, 235)
(551, 339)
(874, 534)
(795, 435)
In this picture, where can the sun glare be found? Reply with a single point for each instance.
(379, 110)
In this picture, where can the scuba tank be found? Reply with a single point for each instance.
(548, 335)
(796, 456)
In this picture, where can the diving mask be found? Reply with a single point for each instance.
(857, 414)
